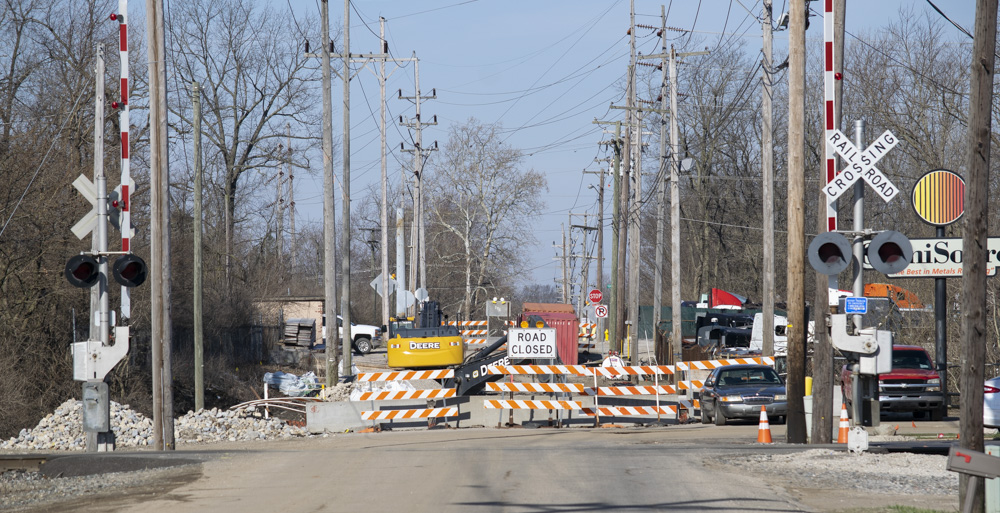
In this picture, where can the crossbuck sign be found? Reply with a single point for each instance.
(861, 164)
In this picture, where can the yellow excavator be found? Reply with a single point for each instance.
(426, 345)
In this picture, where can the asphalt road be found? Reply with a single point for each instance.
(516, 470)
(467, 470)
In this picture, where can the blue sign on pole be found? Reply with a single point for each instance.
(856, 305)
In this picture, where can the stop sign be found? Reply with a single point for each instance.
(595, 296)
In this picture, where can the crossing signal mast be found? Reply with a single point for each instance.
(94, 358)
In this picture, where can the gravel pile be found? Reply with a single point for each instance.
(62, 430)
(893, 473)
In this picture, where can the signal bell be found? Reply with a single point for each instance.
(82, 271)
(830, 253)
(890, 252)
(130, 270)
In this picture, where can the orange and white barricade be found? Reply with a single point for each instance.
(393, 395)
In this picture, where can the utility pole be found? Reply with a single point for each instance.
(329, 212)
(623, 191)
(565, 269)
(796, 223)
(823, 371)
(600, 243)
(384, 211)
(661, 184)
(635, 209)
(417, 249)
(613, 303)
(345, 241)
(199, 330)
(159, 171)
(676, 329)
(767, 170)
(974, 235)
(585, 266)
(291, 197)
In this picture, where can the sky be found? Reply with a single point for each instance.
(545, 70)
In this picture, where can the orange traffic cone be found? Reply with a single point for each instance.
(764, 430)
(845, 425)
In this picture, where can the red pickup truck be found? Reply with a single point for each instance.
(912, 386)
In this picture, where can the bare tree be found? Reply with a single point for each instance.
(482, 201)
(255, 79)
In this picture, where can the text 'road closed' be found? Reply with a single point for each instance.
(533, 343)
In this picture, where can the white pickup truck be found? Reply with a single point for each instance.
(364, 335)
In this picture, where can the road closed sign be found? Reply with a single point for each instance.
(531, 343)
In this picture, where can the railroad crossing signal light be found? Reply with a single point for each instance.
(130, 270)
(82, 271)
(890, 252)
(829, 253)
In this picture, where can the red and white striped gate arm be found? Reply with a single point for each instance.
(409, 414)
(123, 122)
(829, 83)
(715, 364)
(407, 375)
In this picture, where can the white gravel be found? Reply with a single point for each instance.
(892, 473)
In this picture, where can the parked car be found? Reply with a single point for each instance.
(912, 386)
(738, 392)
(991, 403)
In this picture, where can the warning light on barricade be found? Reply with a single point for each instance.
(890, 252)
(829, 253)
(82, 271)
(130, 271)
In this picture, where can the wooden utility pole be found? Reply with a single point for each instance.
(623, 194)
(345, 236)
(565, 269)
(974, 235)
(199, 331)
(823, 371)
(329, 212)
(796, 222)
(384, 211)
(661, 185)
(767, 170)
(159, 180)
(418, 253)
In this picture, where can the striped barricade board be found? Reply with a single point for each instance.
(637, 370)
(407, 375)
(410, 414)
(390, 395)
(500, 404)
(715, 364)
(465, 323)
(624, 411)
(572, 388)
(473, 333)
(632, 390)
(694, 384)
(575, 370)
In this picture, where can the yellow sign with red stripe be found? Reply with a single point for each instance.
(939, 197)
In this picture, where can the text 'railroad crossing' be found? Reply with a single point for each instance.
(861, 164)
